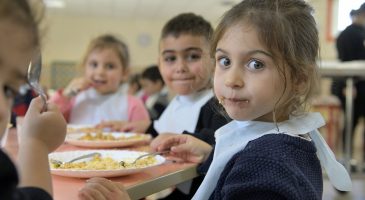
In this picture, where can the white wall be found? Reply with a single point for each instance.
(66, 37)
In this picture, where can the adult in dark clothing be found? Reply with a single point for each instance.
(350, 46)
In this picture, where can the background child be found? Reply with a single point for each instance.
(270, 149)
(157, 94)
(98, 96)
(134, 85)
(42, 132)
(186, 68)
(21, 103)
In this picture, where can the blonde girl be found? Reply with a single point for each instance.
(98, 95)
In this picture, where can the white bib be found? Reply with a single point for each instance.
(91, 107)
(235, 135)
(182, 113)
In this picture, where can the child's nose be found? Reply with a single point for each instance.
(100, 69)
(181, 66)
(233, 79)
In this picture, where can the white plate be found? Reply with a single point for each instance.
(74, 128)
(74, 140)
(114, 154)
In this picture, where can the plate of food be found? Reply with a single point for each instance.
(102, 139)
(108, 163)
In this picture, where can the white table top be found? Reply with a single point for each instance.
(345, 69)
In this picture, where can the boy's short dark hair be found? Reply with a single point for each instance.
(353, 13)
(187, 23)
(362, 8)
(152, 73)
(135, 80)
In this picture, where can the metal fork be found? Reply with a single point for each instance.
(59, 163)
(33, 76)
(122, 163)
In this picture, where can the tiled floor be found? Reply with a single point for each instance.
(358, 179)
(358, 193)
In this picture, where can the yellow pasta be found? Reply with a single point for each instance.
(107, 163)
(100, 136)
(85, 129)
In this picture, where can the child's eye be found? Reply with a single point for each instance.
(170, 58)
(9, 92)
(254, 65)
(109, 66)
(193, 57)
(224, 62)
(93, 64)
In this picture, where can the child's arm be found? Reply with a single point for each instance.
(185, 147)
(65, 98)
(41, 133)
(101, 188)
(64, 103)
(75, 86)
(136, 110)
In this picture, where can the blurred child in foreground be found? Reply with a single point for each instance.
(43, 131)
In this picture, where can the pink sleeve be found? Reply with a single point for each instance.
(64, 104)
(136, 109)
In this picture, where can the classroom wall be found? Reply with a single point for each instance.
(327, 44)
(66, 38)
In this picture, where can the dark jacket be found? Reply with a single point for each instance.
(274, 166)
(9, 180)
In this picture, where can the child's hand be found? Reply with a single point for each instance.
(101, 188)
(136, 126)
(47, 128)
(75, 86)
(184, 147)
(160, 142)
(112, 125)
